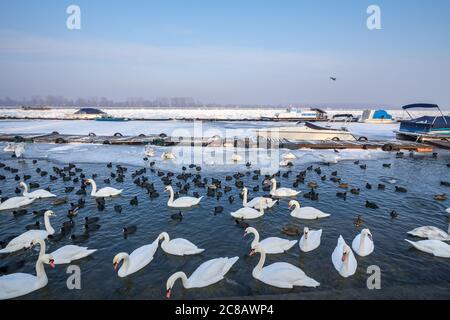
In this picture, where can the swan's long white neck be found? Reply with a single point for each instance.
(274, 185)
(25, 189)
(344, 266)
(259, 266)
(42, 279)
(171, 196)
(42, 247)
(296, 204)
(126, 263)
(166, 238)
(48, 226)
(178, 275)
(94, 187)
(261, 206)
(244, 200)
(255, 240)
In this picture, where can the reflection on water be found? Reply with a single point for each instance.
(402, 266)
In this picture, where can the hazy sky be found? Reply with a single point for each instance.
(227, 51)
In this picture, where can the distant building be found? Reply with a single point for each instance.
(89, 113)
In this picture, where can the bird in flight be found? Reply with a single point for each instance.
(333, 78)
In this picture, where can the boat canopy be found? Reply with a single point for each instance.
(381, 114)
(343, 115)
(421, 105)
(316, 127)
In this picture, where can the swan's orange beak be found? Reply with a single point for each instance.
(168, 292)
(115, 264)
(252, 253)
(343, 256)
(52, 263)
(370, 237)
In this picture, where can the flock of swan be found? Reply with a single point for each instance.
(279, 274)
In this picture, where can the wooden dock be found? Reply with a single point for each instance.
(163, 140)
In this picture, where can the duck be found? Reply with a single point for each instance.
(305, 213)
(19, 284)
(103, 192)
(250, 213)
(400, 189)
(24, 240)
(310, 239)
(179, 246)
(15, 203)
(393, 214)
(290, 231)
(282, 192)
(280, 274)
(435, 247)
(272, 245)
(430, 233)
(66, 254)
(440, 197)
(371, 205)
(182, 202)
(135, 261)
(358, 221)
(255, 202)
(38, 194)
(177, 216)
(208, 273)
(241, 223)
(363, 243)
(343, 259)
(131, 229)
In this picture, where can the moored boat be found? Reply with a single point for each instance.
(377, 117)
(293, 114)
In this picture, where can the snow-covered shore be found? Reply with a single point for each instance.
(172, 113)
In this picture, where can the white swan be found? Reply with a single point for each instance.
(19, 149)
(38, 194)
(363, 243)
(208, 273)
(435, 247)
(280, 274)
(431, 233)
(343, 259)
(149, 152)
(254, 203)
(65, 254)
(272, 245)
(15, 202)
(310, 239)
(250, 213)
(236, 158)
(135, 261)
(25, 239)
(329, 158)
(168, 156)
(305, 213)
(282, 192)
(10, 147)
(285, 163)
(179, 246)
(19, 284)
(103, 192)
(182, 202)
(289, 156)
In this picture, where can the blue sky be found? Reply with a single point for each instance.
(268, 52)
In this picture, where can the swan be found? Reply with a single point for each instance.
(65, 254)
(236, 158)
(343, 259)
(10, 147)
(289, 156)
(135, 261)
(179, 246)
(435, 247)
(310, 239)
(363, 243)
(19, 150)
(103, 192)
(282, 192)
(168, 156)
(280, 274)
(329, 158)
(15, 202)
(254, 203)
(431, 233)
(38, 194)
(208, 273)
(250, 213)
(285, 163)
(306, 213)
(182, 202)
(19, 284)
(272, 245)
(149, 152)
(25, 239)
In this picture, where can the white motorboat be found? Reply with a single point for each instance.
(293, 114)
(306, 131)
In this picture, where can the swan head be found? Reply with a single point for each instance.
(22, 184)
(118, 258)
(367, 233)
(171, 281)
(88, 181)
(47, 259)
(345, 253)
(163, 235)
(168, 188)
(49, 213)
(250, 230)
(306, 232)
(244, 190)
(257, 249)
(273, 181)
(293, 203)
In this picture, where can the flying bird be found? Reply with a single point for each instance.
(333, 78)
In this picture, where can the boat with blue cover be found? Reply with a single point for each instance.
(426, 127)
